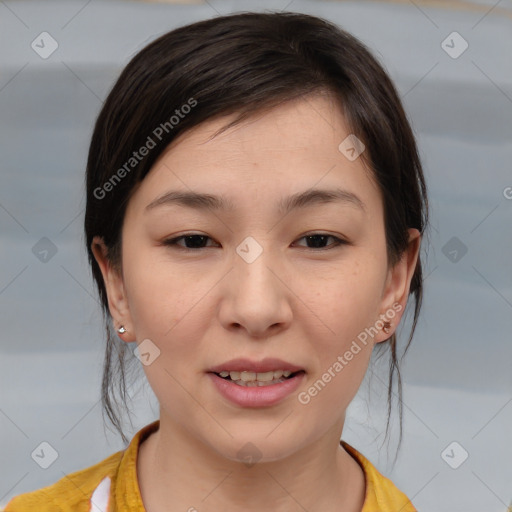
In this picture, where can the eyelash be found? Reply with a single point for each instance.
(173, 242)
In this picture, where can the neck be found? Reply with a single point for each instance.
(176, 471)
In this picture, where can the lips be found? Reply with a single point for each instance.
(265, 365)
(257, 396)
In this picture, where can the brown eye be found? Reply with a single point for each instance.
(192, 241)
(318, 241)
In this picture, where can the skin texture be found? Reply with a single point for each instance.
(296, 302)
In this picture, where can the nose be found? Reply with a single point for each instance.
(256, 297)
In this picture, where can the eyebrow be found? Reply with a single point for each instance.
(304, 199)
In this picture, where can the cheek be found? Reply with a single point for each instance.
(159, 294)
(348, 302)
(347, 307)
(171, 308)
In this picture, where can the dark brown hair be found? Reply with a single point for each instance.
(245, 63)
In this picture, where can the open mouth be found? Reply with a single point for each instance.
(250, 379)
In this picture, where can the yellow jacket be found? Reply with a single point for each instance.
(112, 486)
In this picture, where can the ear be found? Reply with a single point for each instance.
(117, 300)
(398, 283)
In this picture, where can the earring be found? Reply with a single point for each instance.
(121, 329)
(387, 327)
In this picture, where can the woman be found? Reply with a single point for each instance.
(255, 209)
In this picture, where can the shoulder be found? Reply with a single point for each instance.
(381, 493)
(73, 492)
(107, 486)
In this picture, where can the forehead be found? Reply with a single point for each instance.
(303, 125)
(286, 150)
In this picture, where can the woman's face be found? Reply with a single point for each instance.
(255, 286)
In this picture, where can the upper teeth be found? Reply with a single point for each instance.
(252, 376)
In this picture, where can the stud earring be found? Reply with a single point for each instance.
(387, 327)
(121, 329)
